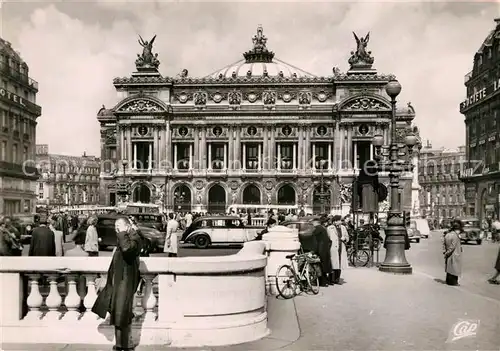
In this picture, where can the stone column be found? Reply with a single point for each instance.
(349, 145)
(168, 145)
(225, 156)
(329, 156)
(265, 145)
(272, 152)
(203, 149)
(150, 156)
(122, 142)
(313, 146)
(237, 151)
(300, 144)
(129, 147)
(156, 137)
(259, 157)
(135, 157)
(341, 147)
(175, 156)
(279, 157)
(209, 145)
(294, 156)
(307, 148)
(196, 146)
(190, 156)
(230, 149)
(244, 158)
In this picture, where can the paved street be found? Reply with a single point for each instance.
(426, 257)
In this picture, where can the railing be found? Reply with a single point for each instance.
(258, 222)
(16, 74)
(185, 302)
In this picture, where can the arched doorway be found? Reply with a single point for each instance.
(217, 199)
(322, 199)
(251, 195)
(142, 193)
(182, 198)
(286, 195)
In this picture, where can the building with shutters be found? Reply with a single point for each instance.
(18, 120)
(68, 181)
(260, 131)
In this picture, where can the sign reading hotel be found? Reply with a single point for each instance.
(481, 94)
(16, 99)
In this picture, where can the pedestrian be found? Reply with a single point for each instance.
(91, 238)
(322, 249)
(117, 297)
(7, 242)
(58, 236)
(338, 251)
(78, 250)
(452, 250)
(171, 236)
(189, 219)
(43, 242)
(494, 279)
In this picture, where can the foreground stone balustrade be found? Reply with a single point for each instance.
(280, 241)
(200, 301)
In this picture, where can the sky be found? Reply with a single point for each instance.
(75, 49)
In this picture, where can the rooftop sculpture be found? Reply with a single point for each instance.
(148, 60)
(361, 58)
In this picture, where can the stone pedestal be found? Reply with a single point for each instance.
(280, 242)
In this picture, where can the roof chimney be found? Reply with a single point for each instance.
(429, 145)
(84, 154)
(497, 20)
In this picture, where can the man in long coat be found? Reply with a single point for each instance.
(452, 250)
(171, 245)
(338, 251)
(43, 242)
(323, 244)
(117, 297)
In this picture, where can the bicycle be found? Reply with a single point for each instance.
(289, 283)
(359, 257)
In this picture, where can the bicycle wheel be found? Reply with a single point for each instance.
(312, 279)
(360, 258)
(286, 283)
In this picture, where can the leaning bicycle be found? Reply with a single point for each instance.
(359, 257)
(298, 276)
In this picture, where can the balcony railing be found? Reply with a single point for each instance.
(18, 75)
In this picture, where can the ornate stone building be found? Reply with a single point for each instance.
(18, 119)
(481, 109)
(67, 180)
(260, 131)
(442, 192)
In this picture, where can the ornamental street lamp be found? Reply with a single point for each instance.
(388, 159)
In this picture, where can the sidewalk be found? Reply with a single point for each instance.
(371, 311)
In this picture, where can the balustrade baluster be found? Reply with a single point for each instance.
(53, 300)
(149, 299)
(35, 299)
(72, 300)
(90, 298)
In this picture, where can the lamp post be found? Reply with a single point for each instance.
(122, 189)
(322, 194)
(389, 160)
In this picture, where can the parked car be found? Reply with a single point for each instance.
(413, 232)
(471, 230)
(149, 220)
(208, 230)
(303, 225)
(106, 232)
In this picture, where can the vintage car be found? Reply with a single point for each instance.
(208, 230)
(107, 234)
(471, 230)
(423, 227)
(413, 232)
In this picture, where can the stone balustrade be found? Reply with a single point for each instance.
(184, 302)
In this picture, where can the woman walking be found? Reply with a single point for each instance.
(91, 238)
(338, 251)
(452, 250)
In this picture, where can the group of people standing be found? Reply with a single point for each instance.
(328, 241)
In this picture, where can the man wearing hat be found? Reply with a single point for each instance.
(323, 244)
(43, 241)
(338, 251)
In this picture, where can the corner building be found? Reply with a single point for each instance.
(18, 115)
(481, 109)
(260, 131)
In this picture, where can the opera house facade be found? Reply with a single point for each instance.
(260, 131)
